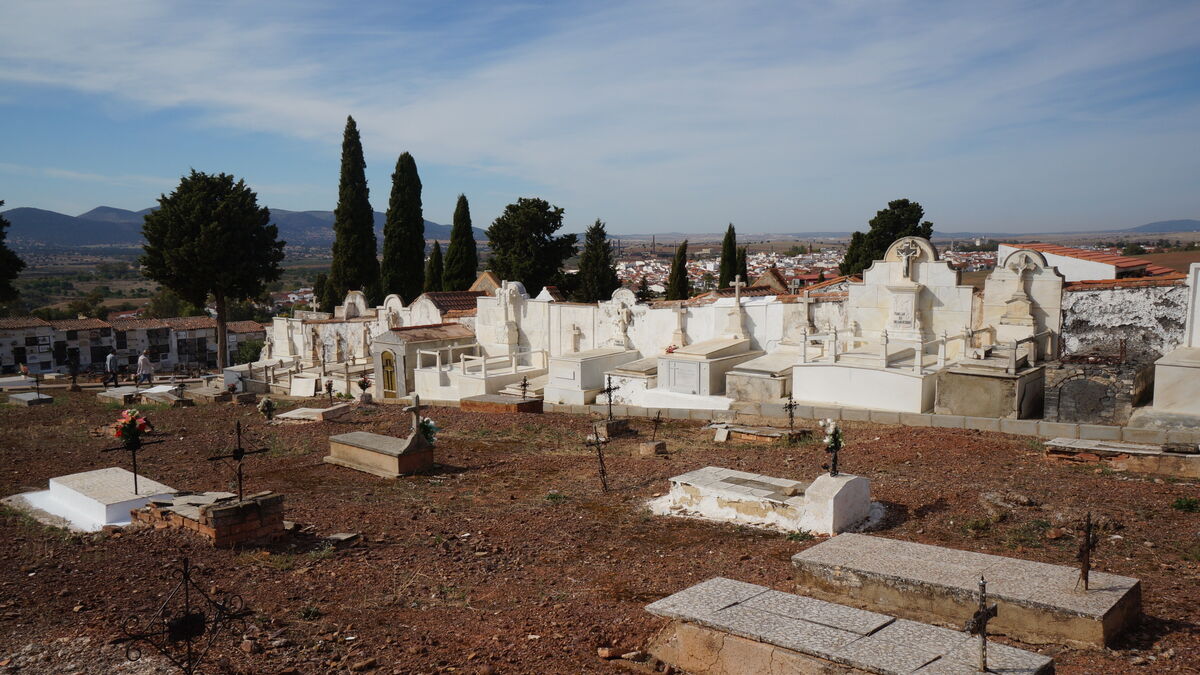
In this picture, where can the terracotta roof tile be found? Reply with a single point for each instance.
(436, 331)
(460, 313)
(190, 322)
(1173, 279)
(450, 300)
(22, 322)
(137, 324)
(1121, 262)
(79, 324)
(244, 327)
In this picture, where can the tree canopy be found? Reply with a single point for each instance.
(210, 237)
(355, 266)
(597, 278)
(462, 259)
(743, 267)
(901, 218)
(728, 267)
(677, 281)
(524, 247)
(434, 270)
(10, 264)
(404, 235)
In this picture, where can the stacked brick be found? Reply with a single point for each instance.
(256, 520)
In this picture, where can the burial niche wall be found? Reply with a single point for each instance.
(1092, 393)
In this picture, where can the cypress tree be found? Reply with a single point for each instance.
(10, 264)
(728, 268)
(404, 234)
(355, 266)
(320, 292)
(742, 268)
(462, 260)
(434, 271)
(677, 280)
(644, 294)
(901, 218)
(597, 273)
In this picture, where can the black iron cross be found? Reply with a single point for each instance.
(183, 629)
(524, 387)
(597, 443)
(238, 454)
(977, 624)
(608, 391)
(833, 450)
(329, 390)
(657, 421)
(790, 407)
(132, 446)
(1086, 545)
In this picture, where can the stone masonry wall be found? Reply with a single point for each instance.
(257, 519)
(1150, 319)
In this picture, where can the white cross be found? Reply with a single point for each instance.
(908, 251)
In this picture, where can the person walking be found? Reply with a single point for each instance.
(145, 372)
(110, 368)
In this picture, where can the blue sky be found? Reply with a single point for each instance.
(652, 116)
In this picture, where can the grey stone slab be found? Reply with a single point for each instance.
(818, 611)
(905, 632)
(799, 635)
(885, 417)
(882, 656)
(1001, 658)
(704, 598)
(30, 398)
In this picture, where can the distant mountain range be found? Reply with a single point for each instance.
(105, 225)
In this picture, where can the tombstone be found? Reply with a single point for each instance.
(1177, 374)
(30, 398)
(577, 378)
(124, 395)
(385, 456)
(305, 415)
(1038, 602)
(91, 500)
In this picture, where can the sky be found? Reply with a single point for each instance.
(651, 116)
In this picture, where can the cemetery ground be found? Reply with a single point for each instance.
(510, 558)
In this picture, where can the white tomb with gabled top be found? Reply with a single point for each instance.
(90, 500)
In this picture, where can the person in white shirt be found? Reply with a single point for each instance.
(144, 370)
(110, 368)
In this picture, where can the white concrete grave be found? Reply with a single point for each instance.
(1177, 374)
(304, 385)
(90, 500)
(576, 378)
(827, 505)
(30, 398)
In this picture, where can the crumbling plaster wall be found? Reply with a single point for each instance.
(1149, 318)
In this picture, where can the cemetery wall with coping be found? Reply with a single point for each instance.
(257, 519)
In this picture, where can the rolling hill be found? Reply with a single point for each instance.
(105, 225)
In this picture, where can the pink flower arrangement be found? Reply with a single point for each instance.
(130, 426)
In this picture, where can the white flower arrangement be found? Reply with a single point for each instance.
(833, 433)
(429, 430)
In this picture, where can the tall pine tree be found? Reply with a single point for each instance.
(597, 273)
(677, 280)
(728, 268)
(404, 234)
(434, 271)
(524, 247)
(462, 260)
(355, 266)
(901, 218)
(743, 269)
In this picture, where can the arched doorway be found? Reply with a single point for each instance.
(389, 375)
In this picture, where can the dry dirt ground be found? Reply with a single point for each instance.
(510, 559)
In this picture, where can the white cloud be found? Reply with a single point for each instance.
(773, 115)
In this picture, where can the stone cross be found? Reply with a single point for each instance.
(415, 408)
(608, 391)
(1086, 545)
(237, 454)
(977, 624)
(737, 290)
(907, 252)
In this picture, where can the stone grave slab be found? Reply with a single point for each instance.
(211, 395)
(500, 403)
(385, 456)
(1178, 461)
(90, 500)
(825, 506)
(304, 415)
(168, 395)
(122, 395)
(730, 432)
(727, 626)
(15, 381)
(1038, 602)
(304, 386)
(30, 398)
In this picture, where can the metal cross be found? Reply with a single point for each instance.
(329, 390)
(977, 624)
(524, 387)
(657, 421)
(833, 448)
(597, 443)
(183, 629)
(1086, 545)
(790, 407)
(238, 454)
(132, 446)
(608, 391)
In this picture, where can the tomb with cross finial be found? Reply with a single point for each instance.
(388, 456)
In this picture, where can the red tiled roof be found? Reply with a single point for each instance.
(460, 313)
(446, 301)
(1173, 279)
(137, 324)
(435, 331)
(244, 327)
(555, 294)
(748, 292)
(1121, 262)
(772, 278)
(832, 282)
(191, 322)
(22, 322)
(79, 324)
